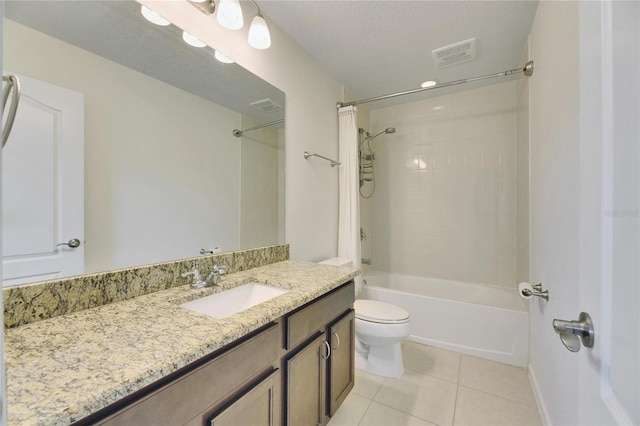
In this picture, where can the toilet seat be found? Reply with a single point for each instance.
(380, 312)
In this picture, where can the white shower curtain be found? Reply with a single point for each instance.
(349, 207)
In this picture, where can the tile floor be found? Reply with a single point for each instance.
(441, 387)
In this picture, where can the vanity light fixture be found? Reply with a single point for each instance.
(192, 40)
(153, 17)
(259, 36)
(229, 14)
(219, 56)
(205, 6)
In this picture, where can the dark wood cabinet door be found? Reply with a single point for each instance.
(306, 384)
(260, 406)
(341, 362)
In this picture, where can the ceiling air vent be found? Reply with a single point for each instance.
(266, 105)
(455, 53)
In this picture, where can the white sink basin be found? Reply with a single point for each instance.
(229, 302)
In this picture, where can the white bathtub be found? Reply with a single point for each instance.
(488, 322)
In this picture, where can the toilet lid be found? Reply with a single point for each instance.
(380, 312)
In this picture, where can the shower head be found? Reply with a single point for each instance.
(387, 131)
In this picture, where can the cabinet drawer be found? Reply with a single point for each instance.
(316, 315)
(176, 403)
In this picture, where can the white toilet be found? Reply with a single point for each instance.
(380, 329)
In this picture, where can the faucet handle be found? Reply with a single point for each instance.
(196, 275)
(216, 274)
(221, 270)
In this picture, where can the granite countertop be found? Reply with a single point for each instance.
(63, 369)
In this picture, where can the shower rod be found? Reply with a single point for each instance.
(527, 70)
(237, 132)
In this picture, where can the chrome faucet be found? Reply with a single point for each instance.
(213, 278)
(197, 279)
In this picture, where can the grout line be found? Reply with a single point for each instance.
(365, 411)
(455, 402)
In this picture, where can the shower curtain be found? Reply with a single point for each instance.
(349, 207)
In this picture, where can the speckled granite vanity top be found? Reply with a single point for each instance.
(62, 369)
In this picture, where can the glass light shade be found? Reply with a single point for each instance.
(153, 17)
(192, 40)
(429, 83)
(259, 36)
(229, 14)
(219, 56)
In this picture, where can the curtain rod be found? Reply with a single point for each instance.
(527, 70)
(237, 132)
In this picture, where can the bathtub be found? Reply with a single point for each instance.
(484, 321)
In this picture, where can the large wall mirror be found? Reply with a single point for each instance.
(138, 124)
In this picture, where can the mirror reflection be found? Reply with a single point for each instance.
(123, 140)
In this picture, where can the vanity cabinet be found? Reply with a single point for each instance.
(293, 371)
(319, 367)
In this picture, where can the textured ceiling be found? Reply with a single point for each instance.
(380, 47)
(117, 31)
(372, 47)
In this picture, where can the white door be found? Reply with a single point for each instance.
(609, 385)
(43, 186)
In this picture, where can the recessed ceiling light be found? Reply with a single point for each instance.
(219, 56)
(153, 17)
(429, 83)
(192, 40)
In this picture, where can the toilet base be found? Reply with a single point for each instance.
(383, 361)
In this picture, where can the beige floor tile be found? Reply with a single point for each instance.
(477, 408)
(351, 411)
(419, 395)
(496, 378)
(433, 361)
(380, 415)
(367, 384)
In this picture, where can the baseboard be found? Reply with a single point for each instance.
(542, 407)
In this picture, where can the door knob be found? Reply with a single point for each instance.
(573, 332)
(73, 243)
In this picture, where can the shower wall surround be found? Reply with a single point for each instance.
(445, 202)
(523, 264)
(48, 299)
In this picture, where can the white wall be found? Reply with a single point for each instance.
(146, 186)
(555, 172)
(311, 123)
(444, 205)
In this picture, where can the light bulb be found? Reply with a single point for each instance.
(259, 36)
(229, 14)
(429, 83)
(219, 56)
(192, 40)
(153, 17)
